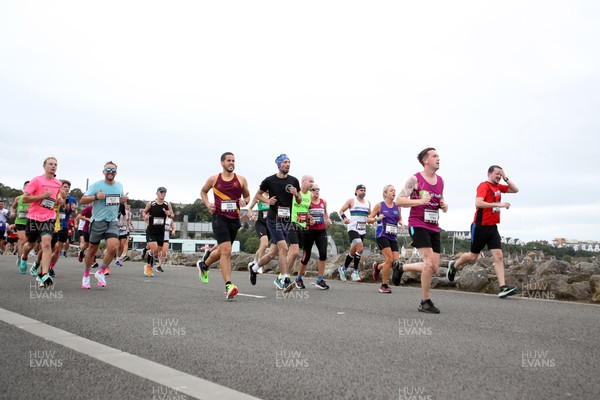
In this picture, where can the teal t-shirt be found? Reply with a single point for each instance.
(106, 209)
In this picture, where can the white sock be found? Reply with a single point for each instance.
(255, 266)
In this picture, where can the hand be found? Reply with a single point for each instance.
(426, 198)
(211, 208)
(443, 205)
(146, 218)
(243, 203)
(272, 200)
(100, 195)
(328, 221)
(506, 205)
(251, 215)
(125, 198)
(47, 194)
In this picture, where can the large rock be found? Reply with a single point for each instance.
(473, 278)
(595, 288)
(552, 267)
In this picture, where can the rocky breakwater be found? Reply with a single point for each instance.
(534, 275)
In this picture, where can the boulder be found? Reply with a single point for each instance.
(473, 278)
(595, 288)
(552, 267)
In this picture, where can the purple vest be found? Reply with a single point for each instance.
(426, 216)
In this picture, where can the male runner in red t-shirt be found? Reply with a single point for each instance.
(484, 229)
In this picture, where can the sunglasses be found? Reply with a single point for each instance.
(113, 170)
(315, 190)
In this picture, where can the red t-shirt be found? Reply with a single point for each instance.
(490, 193)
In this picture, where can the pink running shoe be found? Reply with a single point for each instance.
(85, 283)
(375, 272)
(101, 279)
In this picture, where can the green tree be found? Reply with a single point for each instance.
(77, 194)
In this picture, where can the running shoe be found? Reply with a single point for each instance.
(38, 279)
(451, 272)
(202, 271)
(300, 284)
(118, 263)
(355, 276)
(375, 272)
(232, 290)
(342, 274)
(101, 279)
(397, 271)
(159, 269)
(18, 261)
(322, 285)
(506, 291)
(252, 273)
(278, 283)
(107, 271)
(148, 270)
(384, 289)
(288, 285)
(23, 267)
(85, 282)
(144, 253)
(428, 307)
(80, 256)
(47, 281)
(52, 273)
(95, 265)
(34, 268)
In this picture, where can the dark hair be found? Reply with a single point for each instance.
(109, 162)
(26, 183)
(224, 155)
(423, 153)
(492, 168)
(65, 181)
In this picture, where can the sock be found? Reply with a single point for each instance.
(348, 261)
(255, 267)
(357, 261)
(103, 268)
(319, 278)
(52, 265)
(298, 278)
(227, 284)
(285, 276)
(86, 273)
(150, 260)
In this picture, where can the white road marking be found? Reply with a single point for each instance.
(180, 381)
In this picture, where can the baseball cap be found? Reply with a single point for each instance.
(161, 189)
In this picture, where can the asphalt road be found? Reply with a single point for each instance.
(349, 342)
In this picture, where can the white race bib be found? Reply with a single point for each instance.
(361, 226)
(391, 229)
(112, 199)
(283, 212)
(264, 214)
(431, 216)
(48, 203)
(496, 209)
(158, 221)
(22, 215)
(228, 205)
(62, 216)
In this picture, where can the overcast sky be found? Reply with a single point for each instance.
(350, 90)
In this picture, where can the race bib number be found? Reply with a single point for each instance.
(283, 212)
(431, 216)
(48, 203)
(112, 199)
(302, 217)
(22, 215)
(496, 209)
(361, 226)
(391, 229)
(62, 216)
(264, 214)
(158, 221)
(228, 205)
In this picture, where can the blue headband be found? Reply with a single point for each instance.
(281, 159)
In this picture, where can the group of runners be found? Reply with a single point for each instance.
(291, 216)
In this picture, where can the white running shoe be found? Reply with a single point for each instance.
(85, 282)
(355, 276)
(101, 279)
